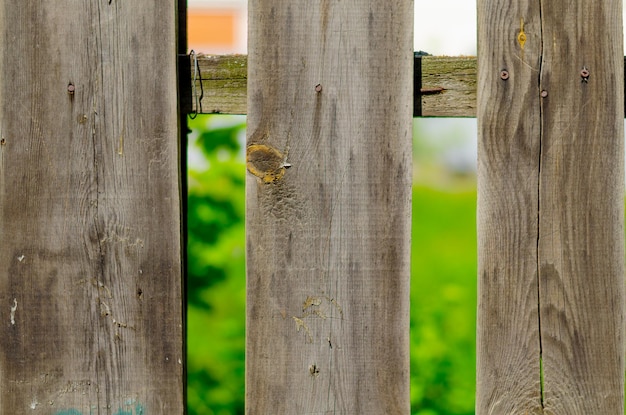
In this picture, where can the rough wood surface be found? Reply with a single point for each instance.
(449, 85)
(550, 209)
(328, 207)
(223, 82)
(90, 287)
(457, 77)
(508, 349)
(581, 203)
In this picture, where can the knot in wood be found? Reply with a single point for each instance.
(265, 162)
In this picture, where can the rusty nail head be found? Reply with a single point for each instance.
(71, 88)
(544, 93)
(318, 88)
(584, 73)
(504, 75)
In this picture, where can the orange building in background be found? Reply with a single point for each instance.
(217, 26)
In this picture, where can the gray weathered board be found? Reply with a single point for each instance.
(90, 258)
(328, 206)
(449, 85)
(550, 208)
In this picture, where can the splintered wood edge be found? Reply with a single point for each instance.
(448, 85)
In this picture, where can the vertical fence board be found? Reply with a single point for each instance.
(550, 213)
(581, 202)
(90, 275)
(508, 351)
(328, 236)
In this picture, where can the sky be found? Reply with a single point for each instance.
(445, 27)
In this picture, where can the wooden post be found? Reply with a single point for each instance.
(328, 206)
(550, 208)
(90, 285)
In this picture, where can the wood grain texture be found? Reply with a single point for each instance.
(550, 212)
(222, 82)
(508, 348)
(90, 285)
(328, 239)
(457, 77)
(581, 202)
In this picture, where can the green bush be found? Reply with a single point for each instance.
(216, 268)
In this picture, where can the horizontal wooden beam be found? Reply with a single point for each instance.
(448, 85)
(220, 83)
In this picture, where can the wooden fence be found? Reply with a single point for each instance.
(550, 330)
(328, 238)
(90, 204)
(448, 85)
(91, 313)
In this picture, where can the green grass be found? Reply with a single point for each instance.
(443, 302)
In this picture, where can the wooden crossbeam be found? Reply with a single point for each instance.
(448, 85)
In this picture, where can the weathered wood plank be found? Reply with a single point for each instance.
(224, 84)
(508, 347)
(581, 202)
(328, 238)
(449, 85)
(457, 77)
(90, 286)
(550, 213)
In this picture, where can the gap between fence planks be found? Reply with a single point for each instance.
(448, 85)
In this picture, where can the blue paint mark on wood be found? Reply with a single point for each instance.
(68, 412)
(137, 410)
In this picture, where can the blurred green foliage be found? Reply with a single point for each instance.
(443, 286)
(216, 267)
(443, 301)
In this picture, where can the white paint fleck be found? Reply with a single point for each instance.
(13, 310)
(33, 404)
(21, 258)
